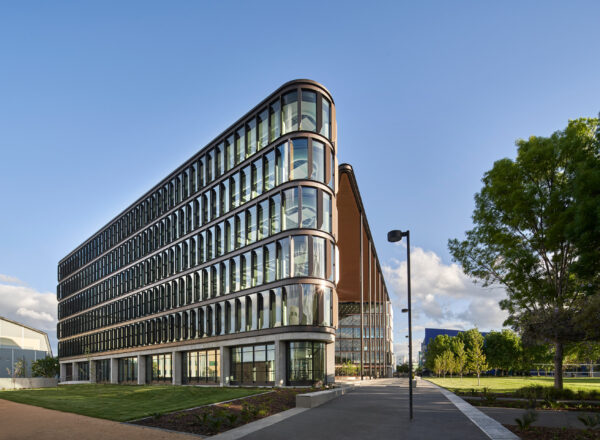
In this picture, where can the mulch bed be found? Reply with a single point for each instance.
(543, 433)
(212, 419)
(540, 405)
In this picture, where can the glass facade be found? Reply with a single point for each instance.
(253, 365)
(128, 370)
(201, 367)
(159, 368)
(306, 363)
(238, 239)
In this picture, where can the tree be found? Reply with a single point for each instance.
(586, 352)
(503, 350)
(438, 365)
(447, 362)
(45, 367)
(460, 355)
(477, 361)
(436, 347)
(528, 221)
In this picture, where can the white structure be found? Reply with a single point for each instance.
(20, 342)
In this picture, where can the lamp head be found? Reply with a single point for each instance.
(404, 310)
(395, 235)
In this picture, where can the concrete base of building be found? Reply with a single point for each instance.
(27, 382)
(279, 340)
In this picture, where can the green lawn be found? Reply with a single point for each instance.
(124, 402)
(508, 384)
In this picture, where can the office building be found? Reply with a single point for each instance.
(223, 273)
(19, 342)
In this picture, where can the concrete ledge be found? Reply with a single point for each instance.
(27, 382)
(312, 400)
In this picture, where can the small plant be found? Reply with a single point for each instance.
(202, 418)
(232, 418)
(215, 422)
(156, 415)
(488, 396)
(590, 422)
(528, 418)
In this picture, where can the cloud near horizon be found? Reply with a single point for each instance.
(26, 305)
(442, 297)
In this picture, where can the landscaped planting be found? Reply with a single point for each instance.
(125, 402)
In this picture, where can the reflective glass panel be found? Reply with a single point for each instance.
(309, 111)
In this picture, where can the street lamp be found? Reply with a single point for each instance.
(394, 236)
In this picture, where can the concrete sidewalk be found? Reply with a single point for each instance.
(378, 410)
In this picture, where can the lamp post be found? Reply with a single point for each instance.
(394, 236)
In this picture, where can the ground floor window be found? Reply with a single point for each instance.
(128, 370)
(201, 366)
(253, 365)
(159, 368)
(103, 370)
(306, 362)
(83, 370)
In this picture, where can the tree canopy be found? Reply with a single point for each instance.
(537, 233)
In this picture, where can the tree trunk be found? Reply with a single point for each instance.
(478, 381)
(558, 365)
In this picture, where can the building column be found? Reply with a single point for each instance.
(114, 370)
(177, 357)
(92, 371)
(75, 371)
(225, 365)
(141, 373)
(330, 363)
(63, 372)
(280, 364)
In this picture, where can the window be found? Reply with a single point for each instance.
(275, 116)
(310, 305)
(326, 117)
(291, 305)
(306, 362)
(283, 258)
(318, 161)
(318, 269)
(159, 368)
(326, 221)
(263, 129)
(275, 214)
(300, 256)
(269, 171)
(289, 113)
(299, 158)
(253, 364)
(251, 137)
(309, 111)
(290, 208)
(309, 207)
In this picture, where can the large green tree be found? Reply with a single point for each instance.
(536, 232)
(503, 350)
(435, 348)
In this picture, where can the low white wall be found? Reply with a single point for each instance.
(27, 382)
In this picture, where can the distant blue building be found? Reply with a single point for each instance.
(432, 333)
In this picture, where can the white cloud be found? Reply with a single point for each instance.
(442, 297)
(9, 279)
(26, 305)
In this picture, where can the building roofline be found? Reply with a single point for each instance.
(347, 169)
(29, 328)
(199, 153)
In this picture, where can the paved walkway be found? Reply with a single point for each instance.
(26, 422)
(380, 411)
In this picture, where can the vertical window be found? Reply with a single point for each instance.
(257, 267)
(245, 184)
(326, 225)
(300, 256)
(291, 304)
(269, 171)
(219, 160)
(263, 129)
(325, 118)
(290, 209)
(270, 262)
(309, 111)
(275, 115)
(251, 137)
(240, 148)
(234, 190)
(309, 207)
(310, 303)
(289, 112)
(318, 269)
(282, 164)
(275, 214)
(263, 219)
(251, 228)
(283, 258)
(257, 178)
(299, 158)
(229, 153)
(318, 161)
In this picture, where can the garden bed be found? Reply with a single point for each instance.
(543, 433)
(212, 419)
(540, 405)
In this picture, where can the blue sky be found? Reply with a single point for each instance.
(100, 100)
